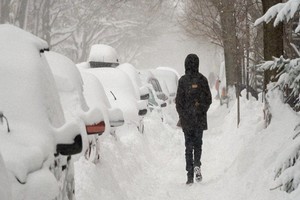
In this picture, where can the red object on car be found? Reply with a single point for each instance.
(96, 128)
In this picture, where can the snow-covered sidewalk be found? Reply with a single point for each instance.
(237, 163)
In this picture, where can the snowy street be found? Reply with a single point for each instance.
(118, 100)
(236, 163)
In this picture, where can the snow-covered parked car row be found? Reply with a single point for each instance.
(37, 142)
(52, 112)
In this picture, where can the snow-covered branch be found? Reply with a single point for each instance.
(281, 12)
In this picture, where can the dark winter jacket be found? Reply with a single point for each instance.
(193, 96)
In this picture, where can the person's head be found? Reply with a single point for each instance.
(191, 64)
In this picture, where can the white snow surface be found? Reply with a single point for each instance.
(103, 53)
(237, 163)
(5, 186)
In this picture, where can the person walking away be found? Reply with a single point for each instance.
(193, 99)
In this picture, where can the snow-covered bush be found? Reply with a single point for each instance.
(287, 171)
(289, 78)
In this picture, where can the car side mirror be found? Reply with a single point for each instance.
(70, 149)
(144, 92)
(163, 105)
(143, 112)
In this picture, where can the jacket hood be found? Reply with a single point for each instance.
(191, 64)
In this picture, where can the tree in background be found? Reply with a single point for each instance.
(228, 24)
(273, 41)
(71, 27)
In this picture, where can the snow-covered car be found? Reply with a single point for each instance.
(35, 136)
(147, 77)
(96, 98)
(70, 87)
(154, 102)
(168, 79)
(118, 86)
(102, 55)
(121, 94)
(141, 91)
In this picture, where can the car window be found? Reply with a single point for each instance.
(102, 64)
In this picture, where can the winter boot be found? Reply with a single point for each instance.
(190, 180)
(197, 171)
(190, 177)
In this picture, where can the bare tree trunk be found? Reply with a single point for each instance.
(4, 11)
(46, 28)
(228, 23)
(273, 41)
(22, 14)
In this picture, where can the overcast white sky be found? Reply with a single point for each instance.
(171, 49)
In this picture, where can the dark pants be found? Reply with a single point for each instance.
(193, 149)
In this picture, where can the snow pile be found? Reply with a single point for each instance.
(237, 162)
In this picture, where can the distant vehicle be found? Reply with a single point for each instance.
(147, 77)
(155, 104)
(102, 55)
(168, 80)
(69, 84)
(96, 98)
(36, 141)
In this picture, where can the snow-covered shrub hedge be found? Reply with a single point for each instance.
(289, 78)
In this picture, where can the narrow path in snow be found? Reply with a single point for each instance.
(166, 179)
(152, 166)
